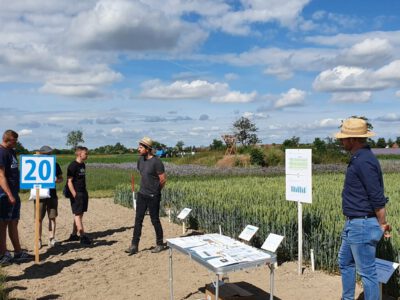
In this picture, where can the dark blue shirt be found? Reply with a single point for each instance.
(8, 161)
(363, 185)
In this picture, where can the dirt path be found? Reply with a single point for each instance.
(105, 271)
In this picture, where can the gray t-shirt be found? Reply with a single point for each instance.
(149, 170)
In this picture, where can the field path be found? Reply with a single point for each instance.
(105, 271)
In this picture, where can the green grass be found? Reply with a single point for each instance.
(99, 158)
(207, 158)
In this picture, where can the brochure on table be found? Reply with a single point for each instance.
(219, 250)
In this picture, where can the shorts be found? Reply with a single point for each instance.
(79, 204)
(50, 205)
(9, 212)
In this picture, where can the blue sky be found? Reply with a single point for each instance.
(186, 70)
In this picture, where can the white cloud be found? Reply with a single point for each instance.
(132, 26)
(231, 76)
(390, 117)
(260, 11)
(252, 115)
(117, 130)
(281, 72)
(235, 97)
(351, 97)
(343, 78)
(86, 91)
(293, 97)
(196, 89)
(397, 93)
(25, 132)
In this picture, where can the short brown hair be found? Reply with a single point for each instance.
(8, 134)
(80, 148)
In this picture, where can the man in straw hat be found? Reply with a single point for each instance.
(153, 179)
(363, 204)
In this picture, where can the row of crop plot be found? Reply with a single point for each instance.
(234, 202)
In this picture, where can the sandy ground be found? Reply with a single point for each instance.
(105, 271)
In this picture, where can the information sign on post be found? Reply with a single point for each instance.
(183, 215)
(299, 187)
(37, 171)
(248, 232)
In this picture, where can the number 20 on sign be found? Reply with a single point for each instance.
(37, 170)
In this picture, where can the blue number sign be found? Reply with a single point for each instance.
(37, 170)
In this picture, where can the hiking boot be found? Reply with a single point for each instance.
(73, 238)
(158, 248)
(133, 249)
(84, 240)
(6, 259)
(53, 242)
(22, 256)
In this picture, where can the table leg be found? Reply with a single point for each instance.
(171, 278)
(271, 281)
(217, 288)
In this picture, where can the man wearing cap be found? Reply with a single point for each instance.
(153, 179)
(363, 204)
(50, 205)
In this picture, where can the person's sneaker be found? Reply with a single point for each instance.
(133, 249)
(6, 259)
(85, 240)
(22, 256)
(53, 242)
(73, 238)
(158, 248)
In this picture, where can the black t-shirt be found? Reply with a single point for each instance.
(149, 170)
(53, 192)
(8, 161)
(77, 171)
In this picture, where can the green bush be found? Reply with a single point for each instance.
(274, 157)
(257, 157)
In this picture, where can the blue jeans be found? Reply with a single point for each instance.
(357, 252)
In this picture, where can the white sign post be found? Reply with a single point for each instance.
(299, 188)
(37, 171)
(183, 215)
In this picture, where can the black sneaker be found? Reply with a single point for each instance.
(22, 256)
(85, 240)
(158, 248)
(133, 249)
(73, 238)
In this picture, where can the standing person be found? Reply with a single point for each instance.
(50, 205)
(363, 204)
(10, 203)
(153, 179)
(76, 180)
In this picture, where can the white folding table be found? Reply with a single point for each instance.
(220, 254)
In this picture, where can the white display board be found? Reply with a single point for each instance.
(184, 213)
(248, 232)
(385, 269)
(37, 170)
(272, 242)
(298, 175)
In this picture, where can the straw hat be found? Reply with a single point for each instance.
(146, 141)
(354, 127)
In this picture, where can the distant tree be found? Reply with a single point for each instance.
(398, 141)
(294, 142)
(217, 145)
(381, 143)
(179, 145)
(319, 145)
(74, 137)
(21, 149)
(158, 145)
(390, 142)
(245, 132)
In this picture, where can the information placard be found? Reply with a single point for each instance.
(272, 242)
(248, 232)
(298, 175)
(184, 213)
(37, 170)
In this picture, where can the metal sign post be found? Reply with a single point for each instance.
(37, 171)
